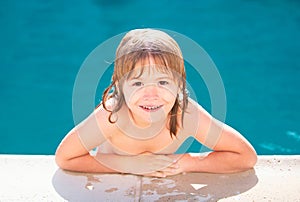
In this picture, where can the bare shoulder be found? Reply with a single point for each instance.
(196, 120)
(103, 114)
(98, 122)
(192, 118)
(195, 107)
(195, 112)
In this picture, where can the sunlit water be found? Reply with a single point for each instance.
(254, 44)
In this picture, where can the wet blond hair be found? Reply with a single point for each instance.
(141, 45)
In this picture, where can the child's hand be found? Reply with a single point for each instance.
(173, 169)
(148, 163)
(142, 164)
(180, 165)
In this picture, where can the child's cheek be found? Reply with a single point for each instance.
(133, 98)
(168, 95)
(171, 90)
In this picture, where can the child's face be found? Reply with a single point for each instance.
(151, 95)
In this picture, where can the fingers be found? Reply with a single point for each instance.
(173, 169)
(162, 174)
(161, 162)
(156, 174)
(175, 157)
(148, 163)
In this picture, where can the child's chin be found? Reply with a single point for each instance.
(154, 118)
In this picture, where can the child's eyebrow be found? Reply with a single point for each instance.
(163, 77)
(134, 78)
(155, 78)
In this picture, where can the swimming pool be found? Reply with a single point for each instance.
(255, 46)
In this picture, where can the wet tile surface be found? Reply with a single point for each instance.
(37, 178)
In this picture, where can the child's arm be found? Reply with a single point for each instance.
(231, 151)
(72, 155)
(73, 151)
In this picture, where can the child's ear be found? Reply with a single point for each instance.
(117, 87)
(180, 88)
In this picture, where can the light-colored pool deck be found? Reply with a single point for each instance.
(37, 178)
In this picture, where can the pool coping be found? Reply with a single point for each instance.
(37, 178)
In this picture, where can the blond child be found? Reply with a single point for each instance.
(145, 116)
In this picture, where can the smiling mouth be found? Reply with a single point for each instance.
(150, 108)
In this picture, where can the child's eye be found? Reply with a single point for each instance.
(163, 83)
(137, 84)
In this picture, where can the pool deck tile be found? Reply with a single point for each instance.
(37, 178)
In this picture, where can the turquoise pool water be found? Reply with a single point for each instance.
(254, 44)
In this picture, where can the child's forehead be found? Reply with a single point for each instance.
(152, 66)
(150, 71)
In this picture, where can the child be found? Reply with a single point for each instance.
(145, 115)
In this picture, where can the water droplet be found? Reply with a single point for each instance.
(89, 186)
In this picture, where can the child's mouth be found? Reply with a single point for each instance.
(150, 108)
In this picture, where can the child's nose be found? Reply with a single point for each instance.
(150, 91)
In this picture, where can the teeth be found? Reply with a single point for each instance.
(150, 108)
